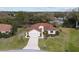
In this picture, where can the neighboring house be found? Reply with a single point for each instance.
(5, 28)
(59, 20)
(42, 27)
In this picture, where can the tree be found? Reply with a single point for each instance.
(72, 19)
(59, 14)
(38, 19)
(19, 18)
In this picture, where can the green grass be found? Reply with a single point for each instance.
(68, 40)
(53, 44)
(13, 43)
(17, 41)
(74, 41)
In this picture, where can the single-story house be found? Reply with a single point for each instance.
(5, 29)
(43, 27)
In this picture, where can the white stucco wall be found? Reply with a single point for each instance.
(54, 32)
(34, 33)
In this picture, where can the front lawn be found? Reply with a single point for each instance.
(68, 40)
(17, 41)
(74, 41)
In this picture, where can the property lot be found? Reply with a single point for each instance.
(67, 40)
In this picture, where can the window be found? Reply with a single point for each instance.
(51, 31)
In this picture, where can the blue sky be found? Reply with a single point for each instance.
(36, 9)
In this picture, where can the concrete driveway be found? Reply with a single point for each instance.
(32, 44)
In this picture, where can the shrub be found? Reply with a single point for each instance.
(45, 33)
(0, 35)
(8, 34)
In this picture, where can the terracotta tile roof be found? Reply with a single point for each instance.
(5, 27)
(47, 26)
